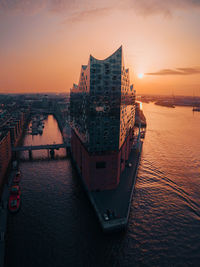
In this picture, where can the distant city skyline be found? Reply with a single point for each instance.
(43, 43)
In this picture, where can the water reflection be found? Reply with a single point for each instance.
(56, 225)
(51, 135)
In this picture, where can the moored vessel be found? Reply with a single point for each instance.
(196, 109)
(17, 177)
(14, 198)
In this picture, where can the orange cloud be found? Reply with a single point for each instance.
(150, 7)
(177, 71)
(87, 14)
(144, 7)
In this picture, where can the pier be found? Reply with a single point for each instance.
(111, 200)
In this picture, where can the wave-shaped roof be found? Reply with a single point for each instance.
(118, 51)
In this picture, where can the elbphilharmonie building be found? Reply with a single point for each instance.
(102, 117)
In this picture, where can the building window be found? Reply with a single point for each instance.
(100, 164)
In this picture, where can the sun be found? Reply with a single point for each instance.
(140, 75)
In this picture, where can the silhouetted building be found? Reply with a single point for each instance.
(11, 129)
(102, 117)
(5, 153)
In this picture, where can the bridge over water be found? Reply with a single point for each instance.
(40, 147)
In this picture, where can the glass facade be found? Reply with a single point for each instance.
(102, 109)
(102, 105)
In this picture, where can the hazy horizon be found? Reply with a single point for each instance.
(44, 43)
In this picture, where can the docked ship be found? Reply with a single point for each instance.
(165, 103)
(14, 198)
(196, 109)
(103, 142)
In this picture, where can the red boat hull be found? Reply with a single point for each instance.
(14, 203)
(14, 198)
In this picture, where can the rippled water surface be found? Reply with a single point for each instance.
(56, 225)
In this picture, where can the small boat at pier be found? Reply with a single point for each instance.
(14, 198)
(196, 109)
(142, 134)
(17, 177)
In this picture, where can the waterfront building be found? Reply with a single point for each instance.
(11, 128)
(5, 154)
(15, 124)
(102, 117)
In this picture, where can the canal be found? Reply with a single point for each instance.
(54, 207)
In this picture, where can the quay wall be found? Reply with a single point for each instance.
(5, 157)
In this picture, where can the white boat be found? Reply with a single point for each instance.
(142, 134)
(40, 129)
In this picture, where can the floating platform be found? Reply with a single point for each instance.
(112, 207)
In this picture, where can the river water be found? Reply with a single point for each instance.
(56, 225)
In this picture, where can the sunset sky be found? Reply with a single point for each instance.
(43, 43)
